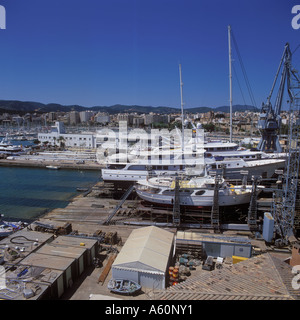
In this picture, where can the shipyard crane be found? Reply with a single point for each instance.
(269, 119)
(285, 199)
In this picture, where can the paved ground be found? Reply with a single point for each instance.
(88, 284)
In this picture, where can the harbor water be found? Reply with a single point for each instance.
(27, 193)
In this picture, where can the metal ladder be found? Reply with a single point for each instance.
(252, 211)
(176, 204)
(119, 205)
(215, 213)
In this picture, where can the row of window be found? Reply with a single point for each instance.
(65, 138)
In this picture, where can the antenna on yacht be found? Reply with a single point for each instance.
(230, 81)
(182, 116)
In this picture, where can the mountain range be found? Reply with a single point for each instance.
(15, 106)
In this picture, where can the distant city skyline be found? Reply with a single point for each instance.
(103, 53)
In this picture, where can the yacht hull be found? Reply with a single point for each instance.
(202, 201)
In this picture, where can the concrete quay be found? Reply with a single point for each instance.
(73, 165)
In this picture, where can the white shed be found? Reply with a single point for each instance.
(145, 257)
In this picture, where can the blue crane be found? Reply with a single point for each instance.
(269, 119)
(284, 205)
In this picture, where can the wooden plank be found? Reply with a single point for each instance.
(107, 268)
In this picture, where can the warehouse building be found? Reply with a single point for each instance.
(145, 257)
(63, 266)
(90, 245)
(213, 245)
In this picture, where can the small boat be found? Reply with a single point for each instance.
(5, 231)
(8, 228)
(53, 167)
(122, 286)
(79, 189)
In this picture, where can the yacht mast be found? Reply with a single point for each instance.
(230, 81)
(182, 116)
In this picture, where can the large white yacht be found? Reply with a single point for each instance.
(185, 151)
(196, 192)
(155, 162)
(192, 161)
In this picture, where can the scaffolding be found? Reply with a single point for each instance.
(252, 211)
(176, 204)
(215, 212)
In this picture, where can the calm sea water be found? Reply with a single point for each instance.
(26, 193)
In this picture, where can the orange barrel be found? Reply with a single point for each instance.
(175, 273)
(171, 271)
(171, 280)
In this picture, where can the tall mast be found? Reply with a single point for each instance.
(230, 81)
(181, 102)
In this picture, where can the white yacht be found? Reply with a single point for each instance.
(236, 168)
(122, 170)
(7, 147)
(196, 192)
(154, 162)
(185, 151)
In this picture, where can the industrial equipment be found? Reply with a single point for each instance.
(269, 119)
(283, 209)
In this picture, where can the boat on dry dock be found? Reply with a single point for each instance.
(235, 168)
(196, 192)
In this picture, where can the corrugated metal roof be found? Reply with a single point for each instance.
(200, 237)
(53, 250)
(44, 260)
(147, 249)
(73, 241)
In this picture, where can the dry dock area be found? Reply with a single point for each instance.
(68, 254)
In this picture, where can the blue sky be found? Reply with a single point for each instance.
(97, 52)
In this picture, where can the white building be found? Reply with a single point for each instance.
(86, 116)
(58, 135)
(145, 257)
